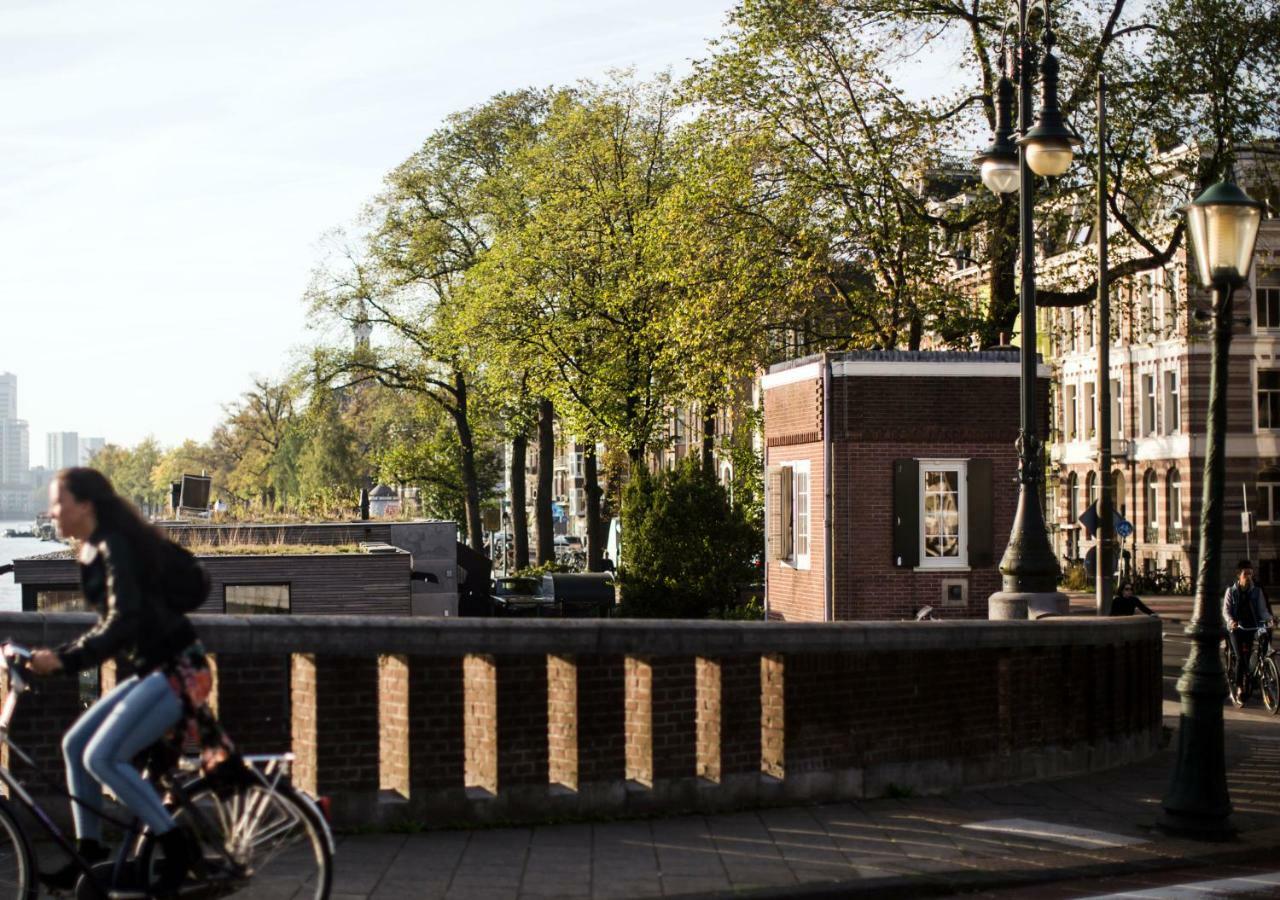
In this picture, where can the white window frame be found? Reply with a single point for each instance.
(1089, 407)
(1173, 490)
(1070, 412)
(961, 468)
(1257, 397)
(1172, 401)
(1271, 489)
(1149, 398)
(1117, 407)
(800, 473)
(1266, 289)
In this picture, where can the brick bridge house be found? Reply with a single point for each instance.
(920, 496)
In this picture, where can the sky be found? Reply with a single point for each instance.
(168, 170)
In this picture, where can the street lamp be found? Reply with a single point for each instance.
(1029, 568)
(1223, 227)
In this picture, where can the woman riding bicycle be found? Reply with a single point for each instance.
(119, 555)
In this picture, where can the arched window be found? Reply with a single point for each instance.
(1091, 488)
(1119, 500)
(1269, 496)
(1173, 488)
(1150, 500)
(1073, 515)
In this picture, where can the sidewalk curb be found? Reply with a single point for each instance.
(964, 881)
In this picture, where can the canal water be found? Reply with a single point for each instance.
(15, 548)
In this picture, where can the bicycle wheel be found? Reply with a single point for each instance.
(1270, 679)
(17, 867)
(258, 844)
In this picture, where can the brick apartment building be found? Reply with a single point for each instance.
(1159, 400)
(919, 500)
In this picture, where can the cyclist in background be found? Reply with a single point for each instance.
(1245, 609)
(1127, 603)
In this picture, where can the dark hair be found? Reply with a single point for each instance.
(1243, 564)
(1126, 585)
(115, 514)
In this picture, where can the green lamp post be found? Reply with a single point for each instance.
(1223, 226)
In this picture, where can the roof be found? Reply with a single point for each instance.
(382, 492)
(1011, 354)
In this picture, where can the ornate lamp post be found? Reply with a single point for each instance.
(1029, 567)
(1223, 227)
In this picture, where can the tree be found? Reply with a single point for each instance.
(572, 288)
(429, 227)
(797, 86)
(814, 76)
(688, 549)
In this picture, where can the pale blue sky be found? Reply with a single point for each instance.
(169, 167)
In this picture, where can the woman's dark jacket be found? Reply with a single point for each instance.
(1128, 606)
(135, 621)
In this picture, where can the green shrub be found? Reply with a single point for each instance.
(687, 550)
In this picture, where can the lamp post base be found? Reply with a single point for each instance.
(1212, 829)
(1006, 605)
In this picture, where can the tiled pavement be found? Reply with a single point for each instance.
(910, 847)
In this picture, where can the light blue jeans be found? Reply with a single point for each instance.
(100, 746)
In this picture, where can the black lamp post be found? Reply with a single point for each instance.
(1029, 567)
(1223, 226)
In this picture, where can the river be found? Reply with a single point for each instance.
(16, 548)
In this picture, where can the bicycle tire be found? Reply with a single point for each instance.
(17, 862)
(1269, 676)
(305, 845)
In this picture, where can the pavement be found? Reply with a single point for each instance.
(1086, 836)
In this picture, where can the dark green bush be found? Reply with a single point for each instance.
(686, 550)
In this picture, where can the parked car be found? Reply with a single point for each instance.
(515, 595)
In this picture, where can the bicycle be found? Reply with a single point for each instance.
(257, 835)
(1264, 672)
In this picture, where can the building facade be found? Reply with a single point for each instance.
(1159, 382)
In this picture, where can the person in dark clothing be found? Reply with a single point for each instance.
(118, 552)
(1127, 603)
(1244, 609)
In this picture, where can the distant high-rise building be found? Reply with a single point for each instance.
(8, 395)
(90, 446)
(64, 449)
(15, 452)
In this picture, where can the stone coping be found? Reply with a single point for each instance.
(361, 635)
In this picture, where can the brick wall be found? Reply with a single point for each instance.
(550, 719)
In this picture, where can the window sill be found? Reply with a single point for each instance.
(942, 569)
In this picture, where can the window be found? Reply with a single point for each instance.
(1088, 406)
(1091, 488)
(1172, 403)
(800, 513)
(1150, 497)
(1148, 404)
(1268, 296)
(1070, 412)
(1117, 409)
(1269, 497)
(1269, 398)
(943, 511)
(1073, 513)
(1174, 488)
(1171, 300)
(255, 599)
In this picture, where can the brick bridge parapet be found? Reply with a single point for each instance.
(448, 721)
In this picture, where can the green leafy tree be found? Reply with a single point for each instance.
(688, 550)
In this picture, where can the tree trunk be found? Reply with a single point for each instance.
(591, 473)
(915, 331)
(519, 512)
(1002, 311)
(709, 439)
(546, 466)
(470, 478)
